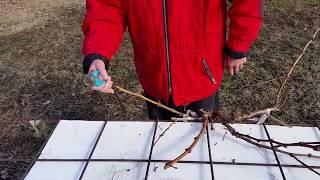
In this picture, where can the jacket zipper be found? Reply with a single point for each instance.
(207, 69)
(165, 20)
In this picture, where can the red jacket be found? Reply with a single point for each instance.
(178, 44)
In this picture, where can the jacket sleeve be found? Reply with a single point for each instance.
(246, 18)
(103, 27)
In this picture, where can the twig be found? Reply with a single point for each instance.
(149, 100)
(162, 134)
(259, 83)
(292, 67)
(252, 140)
(272, 118)
(256, 141)
(224, 136)
(189, 149)
(264, 111)
(313, 145)
(186, 118)
(270, 80)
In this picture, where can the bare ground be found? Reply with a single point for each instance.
(41, 72)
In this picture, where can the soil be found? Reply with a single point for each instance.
(42, 79)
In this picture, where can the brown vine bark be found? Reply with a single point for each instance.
(194, 143)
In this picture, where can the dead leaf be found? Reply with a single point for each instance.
(47, 102)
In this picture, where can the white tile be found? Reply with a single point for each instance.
(179, 137)
(300, 174)
(72, 139)
(125, 140)
(137, 170)
(183, 171)
(232, 172)
(227, 148)
(115, 171)
(55, 171)
(132, 140)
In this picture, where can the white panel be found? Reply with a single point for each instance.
(72, 139)
(137, 170)
(55, 171)
(125, 140)
(179, 137)
(183, 171)
(294, 135)
(227, 148)
(232, 172)
(115, 171)
(132, 140)
(300, 174)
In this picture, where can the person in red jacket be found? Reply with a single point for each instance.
(180, 46)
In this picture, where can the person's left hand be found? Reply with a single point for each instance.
(234, 65)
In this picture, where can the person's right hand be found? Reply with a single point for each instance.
(99, 65)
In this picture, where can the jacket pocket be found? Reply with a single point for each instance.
(208, 71)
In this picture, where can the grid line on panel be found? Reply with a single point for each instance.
(34, 160)
(274, 152)
(149, 160)
(187, 162)
(210, 155)
(92, 151)
(151, 149)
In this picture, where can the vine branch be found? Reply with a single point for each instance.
(194, 143)
(292, 67)
(255, 141)
(149, 100)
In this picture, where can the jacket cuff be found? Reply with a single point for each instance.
(90, 58)
(235, 54)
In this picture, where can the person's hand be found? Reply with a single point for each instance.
(234, 65)
(99, 65)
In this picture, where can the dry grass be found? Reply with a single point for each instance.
(41, 73)
(282, 39)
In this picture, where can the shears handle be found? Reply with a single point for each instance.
(95, 78)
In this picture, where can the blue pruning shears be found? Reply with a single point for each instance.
(96, 81)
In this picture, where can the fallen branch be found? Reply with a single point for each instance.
(189, 149)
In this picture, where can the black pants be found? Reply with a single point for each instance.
(210, 103)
